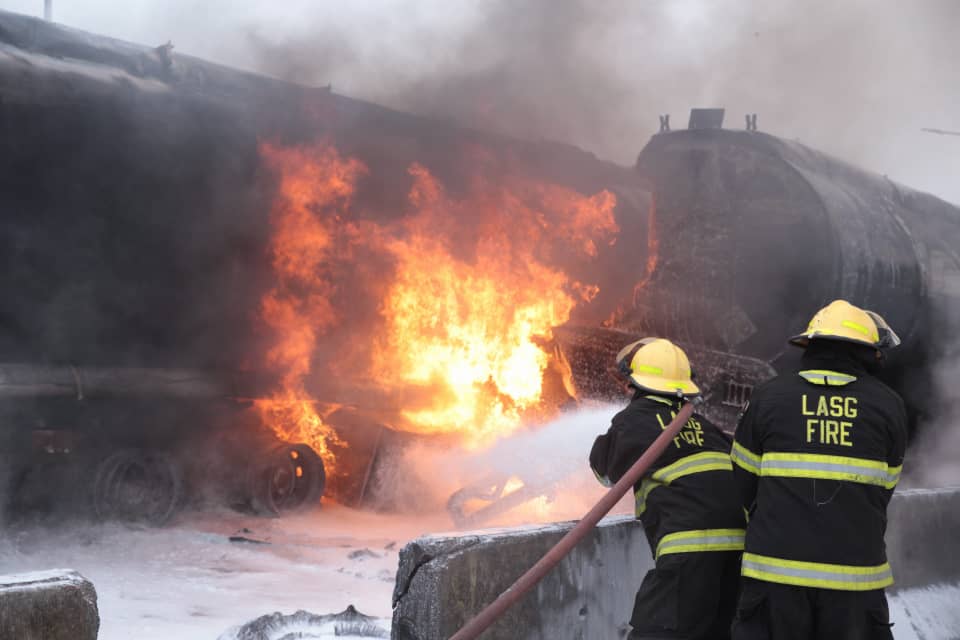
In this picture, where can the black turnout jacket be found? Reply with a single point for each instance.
(817, 454)
(687, 501)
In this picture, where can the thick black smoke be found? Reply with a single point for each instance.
(856, 79)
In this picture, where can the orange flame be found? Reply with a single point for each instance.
(466, 304)
(467, 323)
(315, 190)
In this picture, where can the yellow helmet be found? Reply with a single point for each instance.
(840, 320)
(659, 366)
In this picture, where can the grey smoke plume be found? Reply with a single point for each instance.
(932, 460)
(857, 79)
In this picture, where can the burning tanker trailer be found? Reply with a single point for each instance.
(166, 213)
(132, 257)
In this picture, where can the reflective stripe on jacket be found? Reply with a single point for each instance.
(696, 463)
(815, 574)
(701, 540)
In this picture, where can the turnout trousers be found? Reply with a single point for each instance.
(772, 611)
(688, 596)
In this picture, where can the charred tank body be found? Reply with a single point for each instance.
(753, 233)
(748, 234)
(131, 254)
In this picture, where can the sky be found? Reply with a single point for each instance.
(858, 79)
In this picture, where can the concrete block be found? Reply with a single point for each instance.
(443, 580)
(48, 605)
(923, 537)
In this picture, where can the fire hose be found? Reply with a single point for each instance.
(479, 623)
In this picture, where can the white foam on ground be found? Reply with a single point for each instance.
(306, 627)
(926, 613)
(189, 582)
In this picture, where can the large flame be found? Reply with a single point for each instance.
(463, 310)
(470, 321)
(314, 193)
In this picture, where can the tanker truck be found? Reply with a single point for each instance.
(132, 254)
(749, 234)
(135, 248)
(135, 242)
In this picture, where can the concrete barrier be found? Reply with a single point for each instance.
(445, 579)
(48, 605)
(923, 537)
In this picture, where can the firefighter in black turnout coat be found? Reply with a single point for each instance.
(687, 501)
(817, 454)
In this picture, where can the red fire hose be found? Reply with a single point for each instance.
(535, 574)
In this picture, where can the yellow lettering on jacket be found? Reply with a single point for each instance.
(832, 406)
(692, 432)
(821, 429)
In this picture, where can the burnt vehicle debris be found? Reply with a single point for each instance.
(138, 444)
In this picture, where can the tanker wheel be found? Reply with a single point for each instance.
(138, 487)
(286, 478)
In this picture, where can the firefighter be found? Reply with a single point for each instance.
(816, 455)
(687, 501)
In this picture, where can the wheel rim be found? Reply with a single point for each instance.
(136, 486)
(287, 478)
